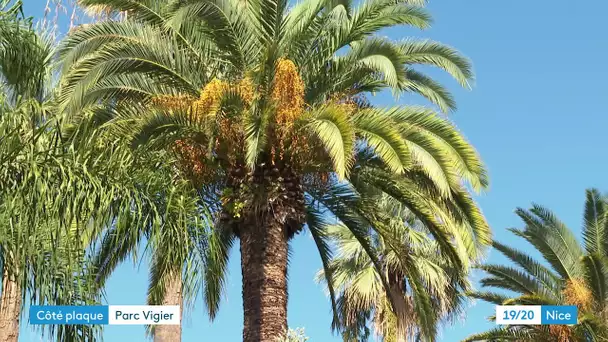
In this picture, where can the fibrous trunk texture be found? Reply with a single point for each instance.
(264, 267)
(10, 307)
(173, 296)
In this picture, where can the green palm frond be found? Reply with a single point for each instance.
(432, 53)
(114, 249)
(427, 299)
(319, 230)
(340, 201)
(427, 87)
(379, 56)
(374, 15)
(491, 297)
(557, 244)
(255, 136)
(331, 126)
(510, 279)
(596, 272)
(542, 274)
(220, 243)
(507, 334)
(149, 11)
(594, 227)
(25, 59)
(409, 194)
(383, 138)
(441, 140)
(227, 24)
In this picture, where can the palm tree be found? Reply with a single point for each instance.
(426, 278)
(266, 108)
(60, 190)
(571, 274)
(32, 256)
(174, 233)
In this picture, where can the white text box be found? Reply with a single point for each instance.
(144, 314)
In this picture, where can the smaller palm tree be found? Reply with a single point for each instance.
(571, 274)
(430, 286)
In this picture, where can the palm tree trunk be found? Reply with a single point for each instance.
(264, 269)
(397, 293)
(10, 309)
(173, 296)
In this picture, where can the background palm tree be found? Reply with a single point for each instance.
(60, 190)
(174, 235)
(417, 272)
(265, 106)
(570, 275)
(37, 257)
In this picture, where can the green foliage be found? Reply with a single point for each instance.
(46, 218)
(73, 203)
(329, 147)
(576, 274)
(429, 287)
(296, 335)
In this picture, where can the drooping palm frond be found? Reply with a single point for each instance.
(331, 126)
(149, 11)
(51, 205)
(553, 239)
(318, 227)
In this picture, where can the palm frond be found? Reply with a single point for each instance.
(541, 273)
(220, 243)
(432, 53)
(505, 334)
(318, 229)
(594, 224)
(331, 126)
(553, 239)
(381, 136)
(430, 89)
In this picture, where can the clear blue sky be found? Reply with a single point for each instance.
(537, 115)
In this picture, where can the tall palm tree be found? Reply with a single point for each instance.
(571, 274)
(266, 107)
(417, 272)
